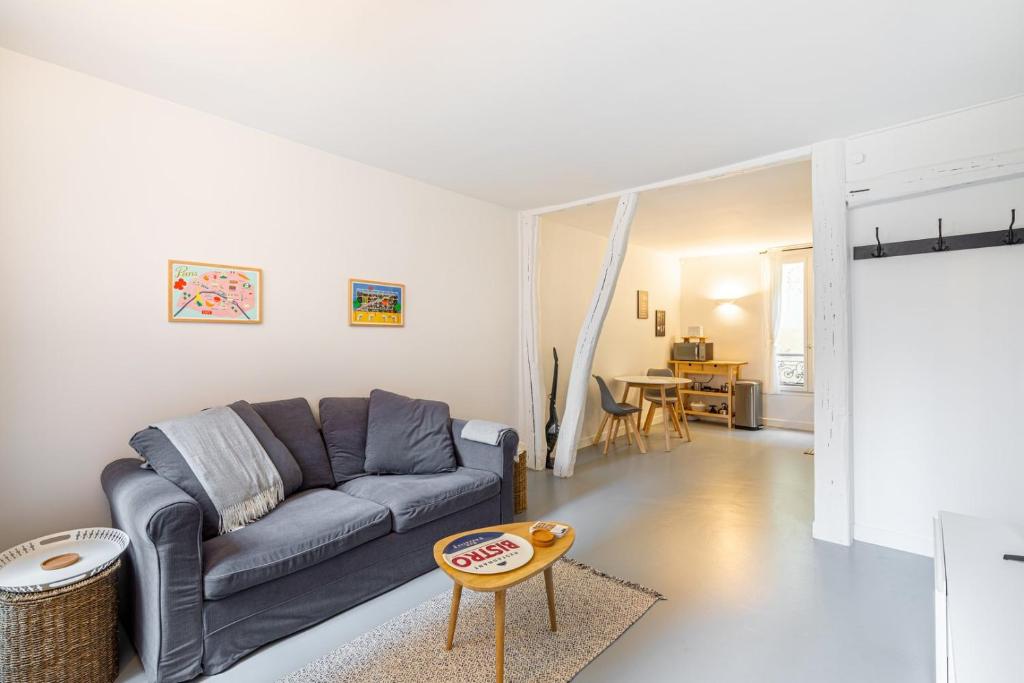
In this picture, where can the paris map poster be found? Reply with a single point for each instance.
(213, 293)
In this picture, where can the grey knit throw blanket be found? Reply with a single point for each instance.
(229, 463)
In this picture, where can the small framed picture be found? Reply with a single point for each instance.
(641, 304)
(213, 293)
(377, 304)
(659, 323)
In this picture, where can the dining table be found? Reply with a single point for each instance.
(665, 387)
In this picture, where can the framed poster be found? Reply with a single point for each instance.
(380, 304)
(641, 304)
(659, 323)
(213, 293)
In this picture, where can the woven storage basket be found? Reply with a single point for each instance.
(519, 483)
(61, 635)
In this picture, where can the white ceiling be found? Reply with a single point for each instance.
(534, 102)
(747, 212)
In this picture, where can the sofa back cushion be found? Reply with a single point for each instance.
(407, 436)
(161, 455)
(343, 423)
(293, 422)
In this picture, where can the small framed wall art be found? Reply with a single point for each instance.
(641, 304)
(659, 323)
(373, 303)
(213, 293)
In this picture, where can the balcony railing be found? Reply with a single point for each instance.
(792, 369)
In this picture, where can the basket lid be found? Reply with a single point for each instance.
(61, 559)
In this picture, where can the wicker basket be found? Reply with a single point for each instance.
(519, 483)
(66, 634)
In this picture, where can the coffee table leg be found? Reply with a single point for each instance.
(499, 636)
(454, 616)
(549, 584)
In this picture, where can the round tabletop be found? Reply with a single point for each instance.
(653, 381)
(487, 583)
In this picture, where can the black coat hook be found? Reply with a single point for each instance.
(941, 244)
(878, 252)
(1010, 237)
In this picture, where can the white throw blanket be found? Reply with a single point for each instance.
(484, 431)
(229, 462)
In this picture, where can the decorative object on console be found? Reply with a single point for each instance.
(695, 331)
(213, 293)
(552, 427)
(641, 304)
(659, 323)
(376, 304)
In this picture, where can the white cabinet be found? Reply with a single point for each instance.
(979, 601)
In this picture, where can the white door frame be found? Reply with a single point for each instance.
(832, 446)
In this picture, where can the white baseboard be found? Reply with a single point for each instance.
(898, 540)
(787, 424)
(823, 532)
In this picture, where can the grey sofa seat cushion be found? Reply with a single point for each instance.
(293, 422)
(408, 436)
(415, 499)
(307, 528)
(343, 423)
(156, 449)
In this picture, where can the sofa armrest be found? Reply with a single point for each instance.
(162, 594)
(498, 459)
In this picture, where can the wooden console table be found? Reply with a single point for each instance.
(726, 368)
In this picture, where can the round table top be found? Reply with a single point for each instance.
(654, 381)
(541, 560)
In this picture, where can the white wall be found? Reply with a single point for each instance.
(570, 260)
(726, 295)
(100, 185)
(937, 367)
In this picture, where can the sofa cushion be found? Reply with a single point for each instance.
(307, 528)
(293, 422)
(407, 436)
(156, 449)
(343, 423)
(415, 499)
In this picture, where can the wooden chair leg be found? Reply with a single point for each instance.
(628, 421)
(608, 436)
(649, 420)
(604, 421)
(639, 439)
(615, 434)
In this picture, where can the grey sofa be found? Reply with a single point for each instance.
(194, 606)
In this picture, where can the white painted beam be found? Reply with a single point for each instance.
(917, 181)
(590, 332)
(531, 387)
(833, 476)
(749, 166)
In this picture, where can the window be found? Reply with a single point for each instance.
(792, 346)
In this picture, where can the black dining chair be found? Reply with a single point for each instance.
(654, 396)
(616, 414)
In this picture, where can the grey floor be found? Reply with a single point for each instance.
(721, 527)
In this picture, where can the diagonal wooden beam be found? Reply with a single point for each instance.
(590, 332)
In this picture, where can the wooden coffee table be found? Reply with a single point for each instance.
(542, 560)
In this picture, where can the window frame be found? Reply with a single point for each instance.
(802, 255)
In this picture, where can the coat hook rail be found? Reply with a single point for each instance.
(977, 240)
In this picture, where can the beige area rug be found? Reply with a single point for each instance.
(593, 610)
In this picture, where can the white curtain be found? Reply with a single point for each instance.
(771, 277)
